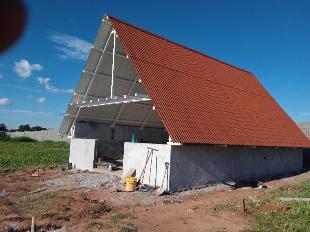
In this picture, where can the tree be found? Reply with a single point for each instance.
(3, 127)
(25, 127)
(37, 128)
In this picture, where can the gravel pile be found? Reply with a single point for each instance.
(3, 193)
(84, 180)
(140, 197)
(146, 198)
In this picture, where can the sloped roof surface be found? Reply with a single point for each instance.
(203, 100)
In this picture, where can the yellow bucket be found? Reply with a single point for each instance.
(131, 184)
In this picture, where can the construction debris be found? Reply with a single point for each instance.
(38, 190)
(243, 204)
(3, 193)
(35, 173)
(294, 199)
(149, 156)
(131, 172)
(32, 224)
(161, 190)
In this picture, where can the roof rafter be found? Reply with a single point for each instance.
(111, 52)
(133, 84)
(147, 117)
(111, 119)
(106, 75)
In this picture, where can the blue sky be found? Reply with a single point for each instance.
(269, 38)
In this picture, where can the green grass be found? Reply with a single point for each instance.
(16, 139)
(15, 154)
(295, 218)
(290, 216)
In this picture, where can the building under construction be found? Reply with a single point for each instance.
(209, 121)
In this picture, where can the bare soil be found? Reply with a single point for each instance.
(70, 201)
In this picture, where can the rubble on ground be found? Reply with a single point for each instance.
(83, 180)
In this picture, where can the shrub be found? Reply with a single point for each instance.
(8, 138)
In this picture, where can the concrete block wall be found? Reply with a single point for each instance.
(200, 165)
(82, 153)
(110, 149)
(306, 159)
(194, 166)
(111, 140)
(135, 157)
(50, 134)
(101, 131)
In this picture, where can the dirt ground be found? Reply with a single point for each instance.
(82, 201)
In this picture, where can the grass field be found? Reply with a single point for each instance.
(284, 216)
(15, 154)
(270, 214)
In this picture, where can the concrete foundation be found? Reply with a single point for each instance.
(193, 166)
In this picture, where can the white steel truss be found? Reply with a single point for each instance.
(105, 75)
(85, 99)
(94, 74)
(133, 122)
(113, 63)
(111, 101)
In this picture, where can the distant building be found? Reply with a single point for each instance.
(305, 127)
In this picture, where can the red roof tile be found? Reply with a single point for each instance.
(203, 100)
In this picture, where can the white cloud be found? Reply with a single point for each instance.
(41, 100)
(71, 47)
(304, 113)
(26, 112)
(24, 69)
(45, 82)
(21, 88)
(5, 101)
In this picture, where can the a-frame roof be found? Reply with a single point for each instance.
(203, 100)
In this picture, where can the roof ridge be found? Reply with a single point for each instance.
(180, 45)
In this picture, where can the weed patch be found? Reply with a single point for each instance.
(128, 228)
(273, 215)
(226, 206)
(17, 139)
(118, 217)
(96, 225)
(39, 205)
(99, 210)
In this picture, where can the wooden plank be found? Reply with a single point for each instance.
(130, 172)
(294, 199)
(38, 190)
(32, 224)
